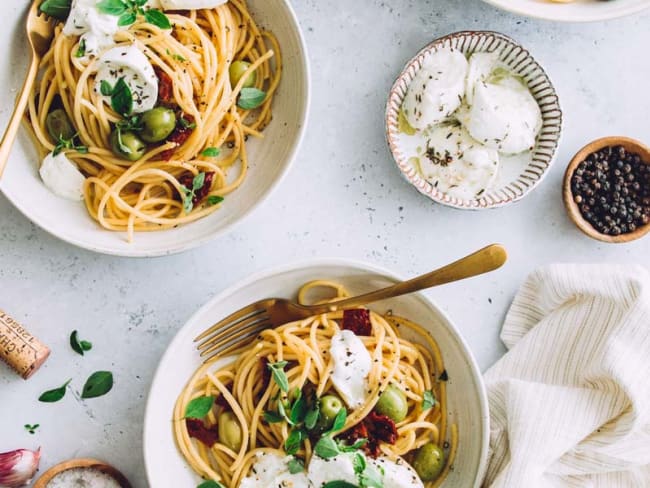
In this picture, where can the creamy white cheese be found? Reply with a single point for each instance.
(481, 67)
(394, 474)
(62, 177)
(271, 470)
(504, 116)
(352, 363)
(190, 4)
(437, 89)
(130, 63)
(456, 164)
(95, 28)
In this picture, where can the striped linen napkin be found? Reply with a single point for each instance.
(570, 401)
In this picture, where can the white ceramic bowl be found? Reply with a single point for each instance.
(466, 392)
(270, 157)
(516, 177)
(577, 11)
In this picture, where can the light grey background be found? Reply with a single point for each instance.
(343, 198)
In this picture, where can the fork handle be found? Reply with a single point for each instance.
(487, 259)
(14, 122)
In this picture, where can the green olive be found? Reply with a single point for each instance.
(237, 70)
(131, 147)
(392, 403)
(429, 461)
(230, 433)
(330, 405)
(157, 124)
(59, 125)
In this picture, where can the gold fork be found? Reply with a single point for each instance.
(243, 325)
(40, 31)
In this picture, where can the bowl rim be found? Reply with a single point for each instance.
(172, 248)
(523, 11)
(470, 204)
(567, 195)
(303, 264)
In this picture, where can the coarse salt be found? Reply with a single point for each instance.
(83, 478)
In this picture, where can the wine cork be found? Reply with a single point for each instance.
(19, 349)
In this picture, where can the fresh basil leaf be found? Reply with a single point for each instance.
(298, 409)
(339, 420)
(75, 344)
(188, 200)
(282, 410)
(428, 400)
(354, 447)
(112, 7)
(358, 463)
(370, 478)
(214, 200)
(311, 418)
(339, 484)
(250, 98)
(273, 417)
(296, 465)
(86, 346)
(294, 441)
(105, 88)
(211, 152)
(54, 395)
(157, 18)
(199, 407)
(279, 376)
(32, 428)
(59, 9)
(64, 144)
(126, 19)
(326, 448)
(186, 124)
(122, 98)
(211, 484)
(98, 384)
(198, 181)
(81, 50)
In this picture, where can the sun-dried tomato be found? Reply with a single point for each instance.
(221, 401)
(181, 133)
(165, 87)
(358, 321)
(197, 430)
(187, 180)
(375, 428)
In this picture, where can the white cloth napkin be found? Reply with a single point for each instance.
(570, 401)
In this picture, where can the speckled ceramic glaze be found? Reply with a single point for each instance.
(514, 180)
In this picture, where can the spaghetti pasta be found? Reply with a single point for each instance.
(192, 62)
(240, 385)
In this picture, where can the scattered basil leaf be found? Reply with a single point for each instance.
(370, 478)
(326, 448)
(59, 9)
(122, 98)
(198, 181)
(354, 447)
(296, 465)
(54, 395)
(98, 384)
(211, 152)
(81, 50)
(199, 407)
(282, 410)
(358, 463)
(339, 484)
(298, 409)
(214, 200)
(63, 144)
(112, 7)
(250, 98)
(428, 400)
(279, 376)
(79, 346)
(273, 417)
(311, 418)
(157, 18)
(211, 484)
(294, 441)
(32, 428)
(126, 19)
(339, 420)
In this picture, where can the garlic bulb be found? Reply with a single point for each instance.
(18, 467)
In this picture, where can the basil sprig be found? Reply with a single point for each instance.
(32, 428)
(279, 376)
(121, 96)
(62, 144)
(98, 384)
(128, 11)
(54, 395)
(190, 193)
(59, 9)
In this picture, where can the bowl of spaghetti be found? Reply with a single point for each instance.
(572, 10)
(153, 130)
(390, 393)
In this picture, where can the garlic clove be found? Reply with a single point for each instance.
(18, 467)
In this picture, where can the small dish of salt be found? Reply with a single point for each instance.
(82, 473)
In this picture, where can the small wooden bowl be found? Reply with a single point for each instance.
(82, 463)
(630, 145)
